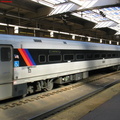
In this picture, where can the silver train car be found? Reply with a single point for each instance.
(30, 64)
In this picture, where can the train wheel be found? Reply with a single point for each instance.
(49, 85)
(24, 95)
(118, 67)
(30, 90)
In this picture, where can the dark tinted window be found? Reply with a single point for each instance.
(89, 56)
(42, 58)
(54, 58)
(5, 54)
(103, 55)
(114, 55)
(68, 57)
(79, 57)
(109, 55)
(97, 56)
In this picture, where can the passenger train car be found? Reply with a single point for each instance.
(30, 64)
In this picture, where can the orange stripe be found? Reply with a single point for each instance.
(24, 57)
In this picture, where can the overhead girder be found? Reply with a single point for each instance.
(22, 4)
(34, 15)
(40, 13)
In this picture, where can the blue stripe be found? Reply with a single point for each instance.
(33, 62)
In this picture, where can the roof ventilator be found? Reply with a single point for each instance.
(37, 40)
(64, 42)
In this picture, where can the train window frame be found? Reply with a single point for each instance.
(68, 59)
(9, 58)
(97, 54)
(90, 57)
(39, 58)
(55, 60)
(109, 55)
(81, 58)
(117, 55)
(114, 55)
(103, 54)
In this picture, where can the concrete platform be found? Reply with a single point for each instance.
(41, 106)
(110, 110)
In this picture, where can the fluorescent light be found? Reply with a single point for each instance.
(51, 34)
(73, 37)
(4, 24)
(16, 29)
(100, 40)
(65, 33)
(89, 39)
(110, 42)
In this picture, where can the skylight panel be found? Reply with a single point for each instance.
(116, 27)
(109, 9)
(105, 24)
(95, 16)
(112, 13)
(88, 17)
(87, 12)
(117, 8)
(78, 2)
(62, 8)
(43, 2)
(49, 3)
(56, 1)
(116, 13)
(84, 3)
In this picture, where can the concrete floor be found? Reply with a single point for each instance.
(110, 110)
(103, 106)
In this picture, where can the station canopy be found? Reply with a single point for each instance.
(104, 13)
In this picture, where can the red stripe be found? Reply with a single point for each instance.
(26, 55)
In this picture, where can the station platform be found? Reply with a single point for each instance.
(109, 110)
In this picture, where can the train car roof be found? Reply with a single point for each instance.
(51, 43)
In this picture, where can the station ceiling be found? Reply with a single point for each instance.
(86, 17)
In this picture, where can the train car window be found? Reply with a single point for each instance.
(89, 56)
(97, 56)
(42, 58)
(108, 55)
(54, 58)
(118, 55)
(80, 56)
(5, 54)
(114, 55)
(103, 55)
(68, 57)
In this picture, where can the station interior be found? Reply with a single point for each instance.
(83, 20)
(95, 21)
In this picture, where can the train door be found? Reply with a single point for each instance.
(6, 71)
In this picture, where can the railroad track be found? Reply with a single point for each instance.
(75, 101)
(16, 103)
